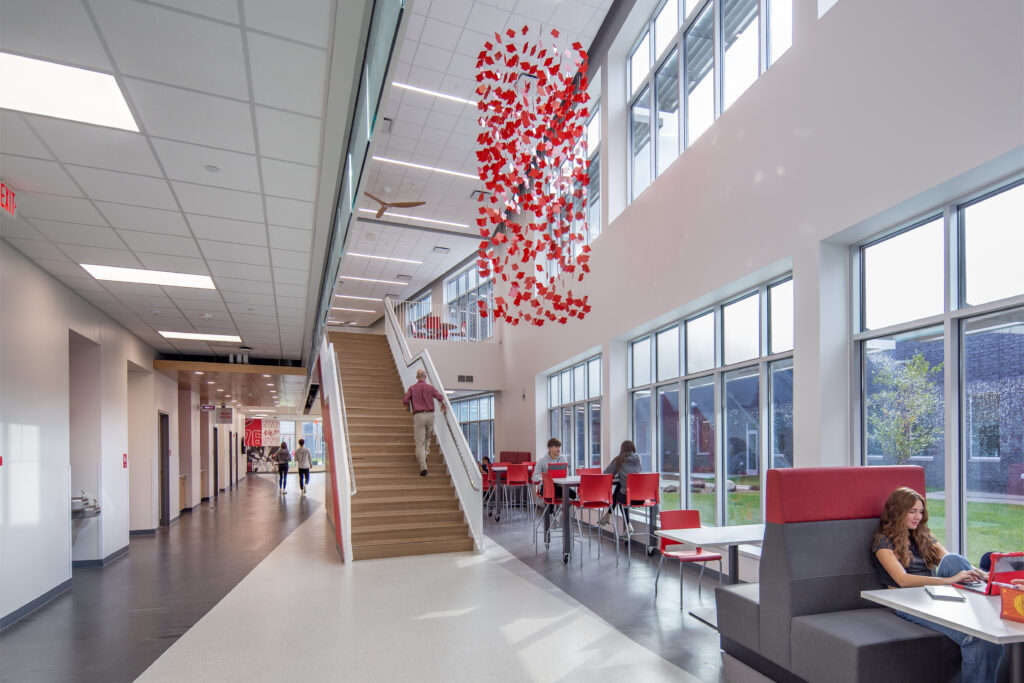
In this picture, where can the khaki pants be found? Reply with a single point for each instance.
(422, 428)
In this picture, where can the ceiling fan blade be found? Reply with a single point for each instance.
(407, 205)
(382, 209)
(375, 198)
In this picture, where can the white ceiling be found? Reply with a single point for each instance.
(439, 51)
(240, 85)
(236, 84)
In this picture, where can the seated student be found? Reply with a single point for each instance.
(485, 464)
(906, 554)
(552, 457)
(625, 463)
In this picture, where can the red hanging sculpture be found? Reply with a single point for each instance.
(532, 162)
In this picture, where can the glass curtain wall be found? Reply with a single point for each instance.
(463, 292)
(942, 364)
(476, 417)
(574, 412)
(718, 362)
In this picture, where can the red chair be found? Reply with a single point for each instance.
(490, 490)
(684, 519)
(595, 493)
(517, 478)
(548, 496)
(642, 491)
(588, 470)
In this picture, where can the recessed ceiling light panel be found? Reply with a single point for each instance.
(423, 167)
(417, 218)
(192, 336)
(370, 279)
(361, 298)
(149, 277)
(64, 92)
(353, 310)
(432, 93)
(384, 258)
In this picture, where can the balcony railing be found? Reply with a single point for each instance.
(443, 322)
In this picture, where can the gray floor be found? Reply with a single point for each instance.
(116, 621)
(624, 596)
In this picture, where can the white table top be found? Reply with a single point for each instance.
(566, 481)
(977, 616)
(716, 535)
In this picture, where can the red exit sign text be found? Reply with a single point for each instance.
(7, 202)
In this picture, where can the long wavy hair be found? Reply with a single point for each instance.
(625, 450)
(893, 526)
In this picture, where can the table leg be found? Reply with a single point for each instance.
(1016, 654)
(566, 531)
(734, 564)
(498, 495)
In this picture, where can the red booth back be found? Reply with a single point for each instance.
(814, 494)
(514, 457)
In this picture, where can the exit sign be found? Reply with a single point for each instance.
(7, 202)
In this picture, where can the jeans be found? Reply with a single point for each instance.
(979, 658)
(282, 476)
(303, 478)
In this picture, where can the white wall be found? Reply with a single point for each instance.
(165, 399)
(878, 110)
(35, 527)
(84, 422)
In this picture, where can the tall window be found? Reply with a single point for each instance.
(574, 412)
(593, 211)
(946, 376)
(476, 416)
(680, 51)
(715, 369)
(464, 291)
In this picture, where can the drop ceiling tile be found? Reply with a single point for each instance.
(191, 297)
(287, 136)
(290, 259)
(486, 19)
(292, 291)
(244, 271)
(232, 284)
(58, 208)
(88, 145)
(430, 57)
(398, 145)
(147, 41)
(54, 30)
(226, 10)
(124, 188)
(227, 230)
(413, 30)
(37, 248)
(289, 213)
(184, 161)
(144, 219)
(289, 238)
(61, 267)
(284, 179)
(153, 243)
(18, 227)
(470, 43)
(410, 115)
(177, 114)
(83, 235)
(173, 264)
(422, 77)
(286, 75)
(249, 298)
(310, 25)
(101, 257)
(452, 11)
(215, 201)
(17, 138)
(290, 276)
(443, 34)
(240, 253)
(81, 285)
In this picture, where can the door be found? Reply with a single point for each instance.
(165, 469)
(216, 463)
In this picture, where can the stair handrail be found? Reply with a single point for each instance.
(343, 472)
(467, 478)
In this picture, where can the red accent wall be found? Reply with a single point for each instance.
(813, 494)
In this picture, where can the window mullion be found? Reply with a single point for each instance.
(955, 465)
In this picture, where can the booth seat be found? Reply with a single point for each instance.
(805, 620)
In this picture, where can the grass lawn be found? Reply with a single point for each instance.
(990, 526)
(744, 506)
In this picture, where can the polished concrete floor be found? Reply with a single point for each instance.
(115, 621)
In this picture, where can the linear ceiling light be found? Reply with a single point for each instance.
(385, 258)
(471, 176)
(149, 277)
(370, 279)
(433, 93)
(353, 310)
(407, 217)
(64, 92)
(201, 337)
(361, 298)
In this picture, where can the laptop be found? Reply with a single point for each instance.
(1005, 568)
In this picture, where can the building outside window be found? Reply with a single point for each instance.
(574, 412)
(463, 291)
(942, 364)
(476, 416)
(691, 61)
(711, 403)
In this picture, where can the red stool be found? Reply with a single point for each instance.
(595, 493)
(642, 491)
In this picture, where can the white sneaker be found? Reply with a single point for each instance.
(556, 522)
(605, 520)
(631, 529)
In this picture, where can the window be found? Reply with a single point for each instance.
(640, 63)
(665, 26)
(740, 42)
(476, 416)
(780, 28)
(640, 141)
(464, 291)
(574, 412)
(666, 88)
(593, 209)
(993, 241)
(910, 263)
(676, 418)
(700, 75)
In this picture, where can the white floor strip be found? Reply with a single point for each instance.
(302, 615)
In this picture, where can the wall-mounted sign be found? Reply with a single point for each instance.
(124, 460)
(7, 202)
(262, 432)
(225, 416)
(207, 408)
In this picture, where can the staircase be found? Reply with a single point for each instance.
(395, 511)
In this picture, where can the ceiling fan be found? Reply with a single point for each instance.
(384, 206)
